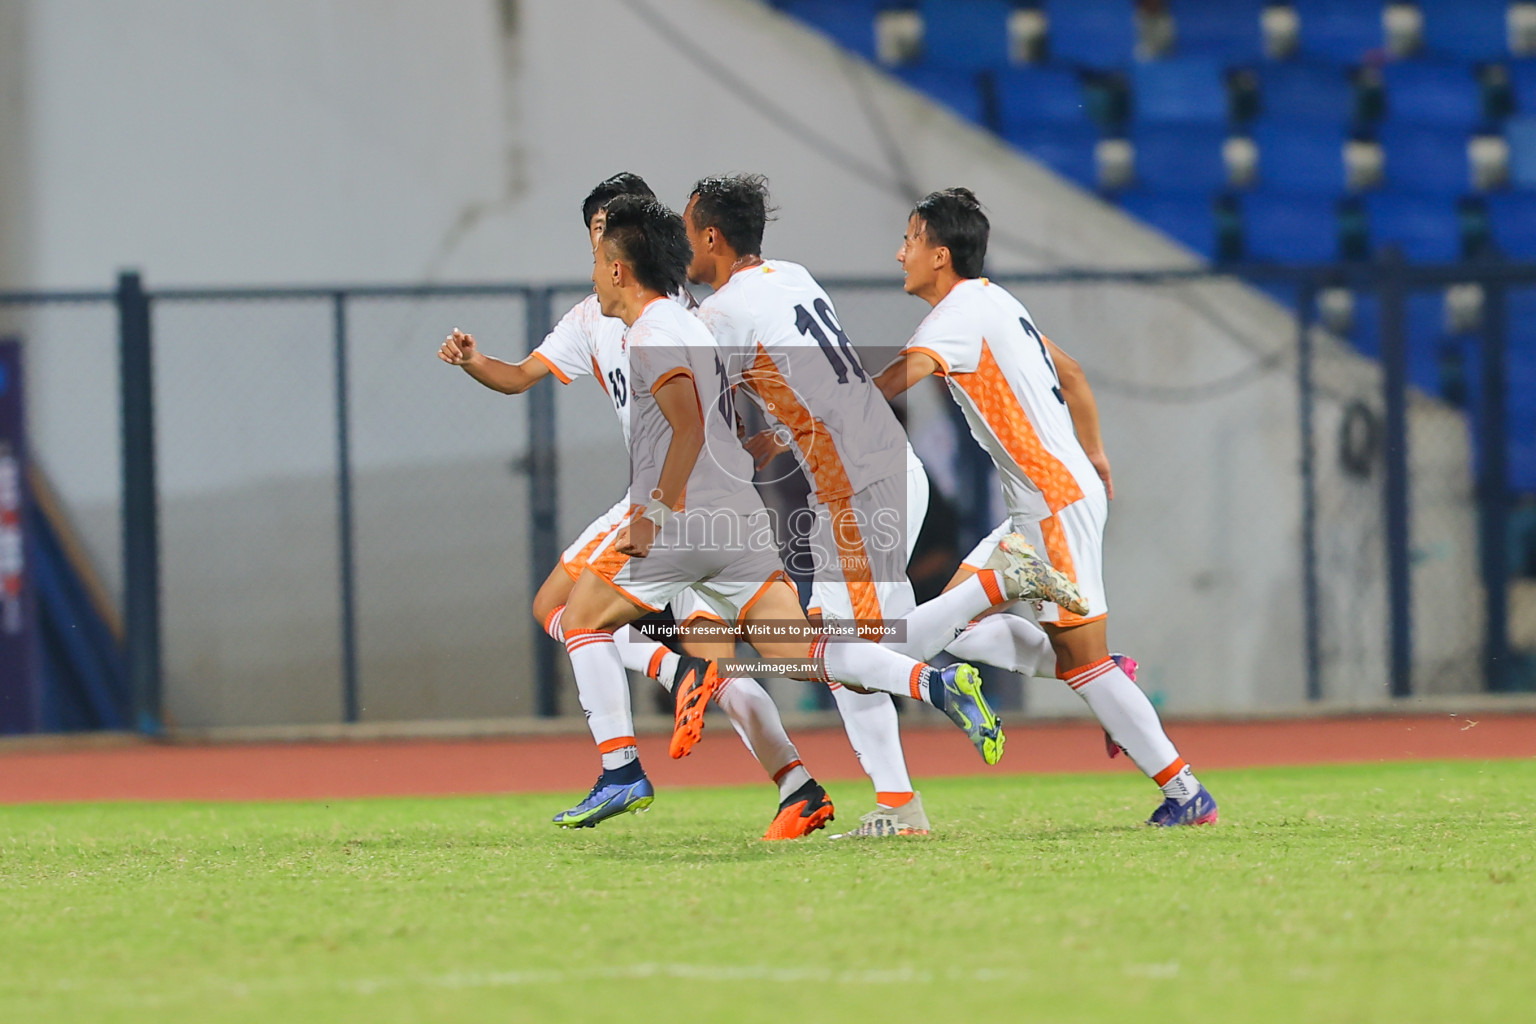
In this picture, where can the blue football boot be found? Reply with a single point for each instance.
(965, 705)
(1199, 809)
(607, 799)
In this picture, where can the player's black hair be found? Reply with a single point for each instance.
(736, 205)
(625, 183)
(651, 239)
(952, 218)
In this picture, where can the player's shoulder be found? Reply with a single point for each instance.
(665, 322)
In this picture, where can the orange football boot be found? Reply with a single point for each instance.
(697, 681)
(801, 813)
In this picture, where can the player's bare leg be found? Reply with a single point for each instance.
(955, 690)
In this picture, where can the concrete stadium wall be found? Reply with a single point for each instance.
(386, 140)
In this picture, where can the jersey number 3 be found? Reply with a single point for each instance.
(1029, 329)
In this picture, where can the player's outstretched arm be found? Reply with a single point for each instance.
(1085, 411)
(906, 371)
(459, 349)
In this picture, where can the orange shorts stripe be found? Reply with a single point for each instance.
(1162, 777)
(617, 743)
(779, 574)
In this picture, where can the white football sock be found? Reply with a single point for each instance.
(1131, 721)
(932, 625)
(873, 667)
(1182, 784)
(648, 657)
(552, 624)
(871, 722)
(603, 689)
(756, 720)
(1007, 641)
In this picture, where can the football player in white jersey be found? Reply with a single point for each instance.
(696, 519)
(1033, 420)
(583, 343)
(870, 492)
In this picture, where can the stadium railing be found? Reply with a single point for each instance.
(219, 399)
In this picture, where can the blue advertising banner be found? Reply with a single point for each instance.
(19, 708)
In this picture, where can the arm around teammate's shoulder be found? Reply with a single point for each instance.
(909, 368)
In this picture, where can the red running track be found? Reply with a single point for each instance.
(313, 771)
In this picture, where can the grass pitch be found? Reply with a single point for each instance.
(1382, 893)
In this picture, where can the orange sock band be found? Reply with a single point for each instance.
(991, 584)
(779, 775)
(655, 666)
(916, 681)
(1079, 677)
(617, 743)
(893, 799)
(1162, 777)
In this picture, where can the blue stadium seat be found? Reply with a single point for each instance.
(1430, 160)
(1466, 29)
(850, 23)
(966, 35)
(1190, 220)
(1513, 220)
(1187, 90)
(1229, 30)
(1280, 228)
(1342, 30)
(1299, 159)
(1180, 158)
(1099, 33)
(1425, 325)
(1521, 135)
(1307, 93)
(1426, 228)
(1067, 149)
(1037, 95)
(958, 90)
(1522, 81)
(1433, 94)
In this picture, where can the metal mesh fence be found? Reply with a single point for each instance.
(347, 527)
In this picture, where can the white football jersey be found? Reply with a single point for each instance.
(587, 342)
(667, 341)
(1001, 375)
(789, 352)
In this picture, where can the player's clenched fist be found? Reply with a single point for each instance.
(458, 349)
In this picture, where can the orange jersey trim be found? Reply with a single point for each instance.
(816, 446)
(1000, 409)
(676, 371)
(931, 354)
(559, 374)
